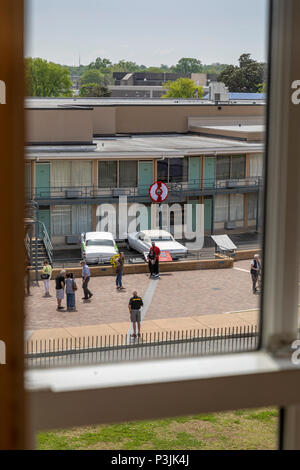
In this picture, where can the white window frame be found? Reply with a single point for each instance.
(148, 390)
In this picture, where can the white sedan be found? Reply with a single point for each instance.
(142, 241)
(98, 247)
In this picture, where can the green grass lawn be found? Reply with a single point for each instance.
(237, 430)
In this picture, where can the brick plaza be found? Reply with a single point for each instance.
(178, 295)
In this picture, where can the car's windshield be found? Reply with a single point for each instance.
(99, 243)
(164, 238)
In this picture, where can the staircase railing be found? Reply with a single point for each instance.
(47, 242)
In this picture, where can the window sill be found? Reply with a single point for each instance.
(154, 389)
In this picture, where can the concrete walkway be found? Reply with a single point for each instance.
(186, 324)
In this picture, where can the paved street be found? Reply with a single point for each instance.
(177, 295)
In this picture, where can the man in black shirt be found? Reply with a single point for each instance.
(134, 306)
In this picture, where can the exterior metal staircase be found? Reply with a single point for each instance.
(37, 241)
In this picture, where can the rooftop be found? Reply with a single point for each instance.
(147, 146)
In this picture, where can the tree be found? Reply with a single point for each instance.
(188, 65)
(92, 76)
(103, 65)
(46, 79)
(182, 88)
(245, 78)
(126, 66)
(94, 90)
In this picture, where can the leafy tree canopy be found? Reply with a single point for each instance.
(188, 65)
(183, 88)
(245, 78)
(92, 76)
(126, 66)
(103, 65)
(94, 90)
(46, 79)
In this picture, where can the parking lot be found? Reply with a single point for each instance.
(175, 295)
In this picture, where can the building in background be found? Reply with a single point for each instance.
(84, 154)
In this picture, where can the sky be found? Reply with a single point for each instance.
(146, 32)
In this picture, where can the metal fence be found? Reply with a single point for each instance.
(153, 345)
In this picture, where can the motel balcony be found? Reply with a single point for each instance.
(178, 191)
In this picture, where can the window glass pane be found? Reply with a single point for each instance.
(223, 167)
(252, 206)
(81, 173)
(190, 143)
(107, 174)
(221, 208)
(60, 174)
(61, 220)
(177, 170)
(127, 174)
(81, 219)
(236, 207)
(162, 170)
(238, 167)
(256, 165)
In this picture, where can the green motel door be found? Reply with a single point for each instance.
(42, 180)
(194, 172)
(208, 214)
(209, 172)
(145, 177)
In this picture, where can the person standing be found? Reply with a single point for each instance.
(153, 260)
(119, 271)
(71, 287)
(255, 271)
(86, 275)
(60, 288)
(134, 306)
(46, 276)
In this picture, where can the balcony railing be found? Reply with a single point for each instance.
(175, 189)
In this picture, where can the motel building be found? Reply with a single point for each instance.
(84, 156)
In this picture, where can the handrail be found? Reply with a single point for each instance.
(175, 187)
(47, 241)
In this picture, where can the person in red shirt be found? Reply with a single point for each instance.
(154, 253)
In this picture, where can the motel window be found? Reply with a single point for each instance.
(71, 220)
(238, 167)
(223, 167)
(71, 173)
(252, 206)
(128, 174)
(229, 207)
(231, 167)
(81, 219)
(177, 170)
(61, 220)
(236, 202)
(172, 170)
(256, 165)
(107, 174)
(163, 170)
(221, 207)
